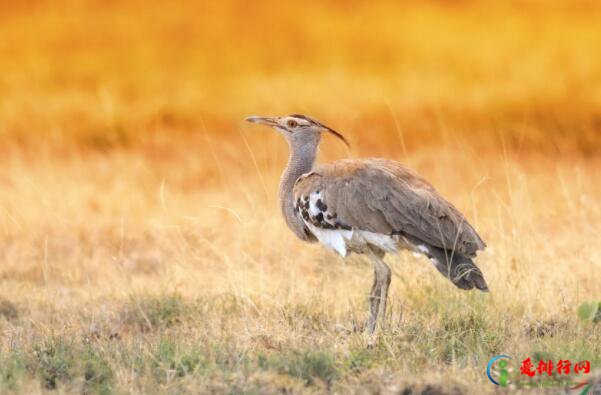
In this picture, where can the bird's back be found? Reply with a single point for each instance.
(383, 197)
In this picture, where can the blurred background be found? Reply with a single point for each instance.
(107, 75)
(108, 106)
(126, 168)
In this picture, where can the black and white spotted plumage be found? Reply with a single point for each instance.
(315, 212)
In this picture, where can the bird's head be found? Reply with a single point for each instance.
(297, 128)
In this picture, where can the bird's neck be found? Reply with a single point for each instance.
(301, 161)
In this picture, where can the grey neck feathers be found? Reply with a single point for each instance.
(302, 159)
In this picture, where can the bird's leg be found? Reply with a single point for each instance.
(379, 290)
(374, 303)
(384, 275)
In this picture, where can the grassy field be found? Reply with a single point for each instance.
(141, 244)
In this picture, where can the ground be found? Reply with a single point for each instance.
(141, 244)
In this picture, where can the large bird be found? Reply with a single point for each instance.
(371, 207)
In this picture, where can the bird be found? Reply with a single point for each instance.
(371, 207)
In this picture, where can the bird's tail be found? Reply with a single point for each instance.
(458, 268)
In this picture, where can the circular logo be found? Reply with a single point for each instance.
(504, 372)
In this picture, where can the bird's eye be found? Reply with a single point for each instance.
(292, 123)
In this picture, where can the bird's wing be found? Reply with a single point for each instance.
(385, 197)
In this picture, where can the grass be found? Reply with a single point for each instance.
(204, 350)
(141, 245)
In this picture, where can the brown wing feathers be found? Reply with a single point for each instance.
(385, 197)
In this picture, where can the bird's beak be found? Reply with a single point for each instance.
(270, 121)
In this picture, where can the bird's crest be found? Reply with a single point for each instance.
(321, 125)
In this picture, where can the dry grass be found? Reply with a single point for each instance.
(141, 245)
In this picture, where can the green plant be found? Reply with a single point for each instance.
(589, 311)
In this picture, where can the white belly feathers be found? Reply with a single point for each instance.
(343, 241)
